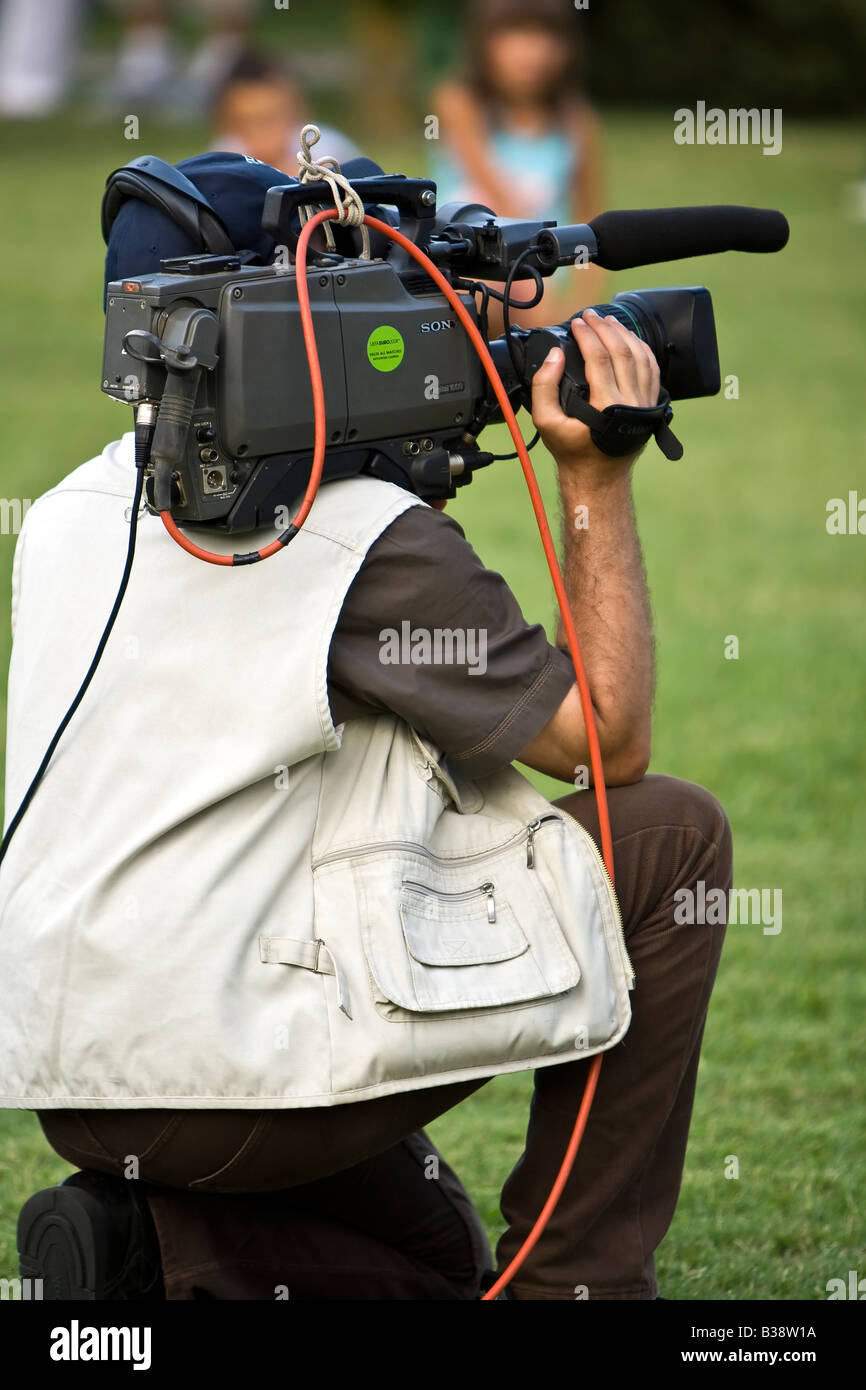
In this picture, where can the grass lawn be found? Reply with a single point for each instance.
(736, 545)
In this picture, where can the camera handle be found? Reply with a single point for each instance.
(189, 347)
(414, 199)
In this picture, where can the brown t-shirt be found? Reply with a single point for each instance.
(428, 633)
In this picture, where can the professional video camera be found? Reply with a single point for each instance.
(218, 346)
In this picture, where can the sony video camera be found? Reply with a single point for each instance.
(217, 346)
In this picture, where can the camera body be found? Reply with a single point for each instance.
(402, 383)
(405, 393)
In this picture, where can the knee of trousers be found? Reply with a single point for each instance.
(688, 804)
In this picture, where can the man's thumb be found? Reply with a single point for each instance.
(545, 388)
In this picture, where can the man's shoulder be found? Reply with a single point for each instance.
(424, 556)
(110, 472)
(421, 530)
(354, 511)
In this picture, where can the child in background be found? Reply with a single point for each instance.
(518, 135)
(259, 111)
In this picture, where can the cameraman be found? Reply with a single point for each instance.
(344, 1201)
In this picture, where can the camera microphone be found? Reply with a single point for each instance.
(633, 238)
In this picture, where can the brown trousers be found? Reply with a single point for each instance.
(354, 1201)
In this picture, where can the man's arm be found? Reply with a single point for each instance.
(603, 567)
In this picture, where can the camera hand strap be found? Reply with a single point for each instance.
(623, 429)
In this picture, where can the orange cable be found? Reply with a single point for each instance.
(558, 584)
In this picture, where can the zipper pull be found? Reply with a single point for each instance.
(530, 847)
(491, 903)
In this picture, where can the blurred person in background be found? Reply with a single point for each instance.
(147, 70)
(36, 57)
(259, 111)
(518, 134)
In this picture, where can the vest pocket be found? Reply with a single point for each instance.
(446, 936)
(459, 928)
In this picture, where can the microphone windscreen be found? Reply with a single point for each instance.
(646, 236)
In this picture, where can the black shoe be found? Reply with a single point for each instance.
(91, 1238)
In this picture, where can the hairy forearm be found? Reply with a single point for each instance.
(607, 593)
(605, 583)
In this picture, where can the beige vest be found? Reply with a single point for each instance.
(217, 899)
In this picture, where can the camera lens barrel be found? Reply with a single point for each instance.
(632, 313)
(678, 325)
(676, 322)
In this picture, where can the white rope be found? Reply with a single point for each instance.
(347, 202)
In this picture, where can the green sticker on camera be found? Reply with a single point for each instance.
(385, 348)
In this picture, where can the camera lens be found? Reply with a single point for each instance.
(677, 323)
(633, 314)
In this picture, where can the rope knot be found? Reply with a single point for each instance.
(326, 169)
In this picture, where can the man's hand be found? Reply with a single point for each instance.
(620, 370)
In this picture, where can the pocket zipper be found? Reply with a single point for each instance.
(487, 888)
(528, 832)
(531, 831)
(620, 934)
(533, 827)
(386, 846)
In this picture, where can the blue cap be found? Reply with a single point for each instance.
(234, 185)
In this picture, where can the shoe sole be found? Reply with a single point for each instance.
(63, 1237)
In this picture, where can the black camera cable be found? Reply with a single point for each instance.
(508, 304)
(144, 426)
(504, 458)
(504, 297)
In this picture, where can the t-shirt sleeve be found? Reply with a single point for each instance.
(428, 633)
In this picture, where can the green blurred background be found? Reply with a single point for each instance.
(735, 540)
